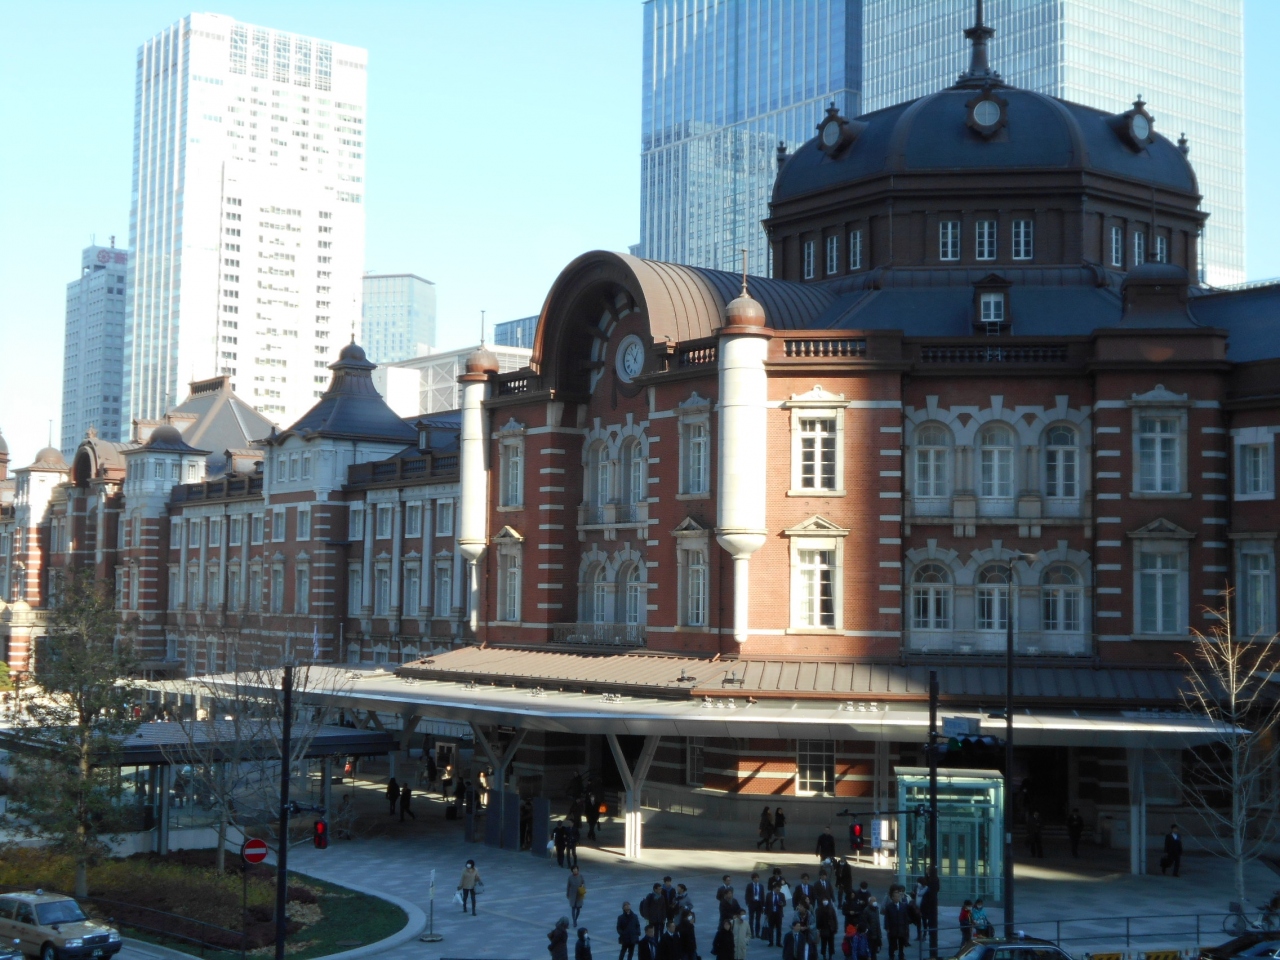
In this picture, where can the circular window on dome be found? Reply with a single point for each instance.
(986, 113)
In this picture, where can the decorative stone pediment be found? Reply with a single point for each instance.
(816, 526)
(816, 397)
(689, 527)
(1161, 529)
(1159, 397)
(507, 535)
(511, 428)
(694, 404)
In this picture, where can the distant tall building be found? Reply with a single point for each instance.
(248, 217)
(515, 333)
(724, 81)
(399, 316)
(438, 387)
(1184, 58)
(92, 359)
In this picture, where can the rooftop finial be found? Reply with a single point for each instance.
(482, 328)
(744, 271)
(979, 72)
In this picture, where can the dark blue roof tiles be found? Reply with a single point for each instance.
(932, 134)
(1250, 317)
(352, 408)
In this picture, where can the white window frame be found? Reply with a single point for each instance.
(306, 466)
(412, 589)
(293, 467)
(985, 234)
(1256, 593)
(442, 589)
(935, 598)
(1139, 247)
(413, 519)
(175, 588)
(991, 311)
(1159, 456)
(1023, 239)
(819, 453)
(382, 590)
(304, 524)
(855, 250)
(509, 582)
(511, 473)
(192, 588)
(1255, 457)
(1162, 249)
(279, 524)
(948, 240)
(694, 577)
(215, 531)
(235, 597)
(444, 517)
(1117, 246)
(235, 531)
(277, 588)
(1143, 578)
(384, 521)
(997, 476)
(833, 255)
(695, 453)
(1061, 464)
(253, 589)
(633, 473)
(815, 768)
(355, 590)
(806, 583)
(355, 523)
(809, 257)
(633, 594)
(992, 606)
(302, 588)
(806, 408)
(211, 584)
(931, 463)
(1062, 604)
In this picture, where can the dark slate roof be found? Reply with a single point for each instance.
(352, 408)
(223, 421)
(167, 437)
(1251, 318)
(931, 134)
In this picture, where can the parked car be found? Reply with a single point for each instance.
(1256, 943)
(53, 927)
(1019, 948)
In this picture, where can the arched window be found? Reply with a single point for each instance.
(598, 597)
(599, 482)
(996, 463)
(933, 456)
(1062, 599)
(993, 598)
(1061, 464)
(633, 475)
(634, 606)
(931, 598)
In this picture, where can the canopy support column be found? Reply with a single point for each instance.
(498, 786)
(634, 783)
(1137, 811)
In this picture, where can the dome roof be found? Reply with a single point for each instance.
(482, 360)
(168, 437)
(353, 353)
(744, 310)
(932, 134)
(50, 457)
(4, 447)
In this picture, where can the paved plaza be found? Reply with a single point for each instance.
(525, 895)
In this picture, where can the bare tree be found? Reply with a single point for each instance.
(1230, 682)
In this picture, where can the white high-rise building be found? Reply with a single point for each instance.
(92, 364)
(247, 225)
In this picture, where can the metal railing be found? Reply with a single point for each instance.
(599, 634)
(827, 347)
(170, 926)
(981, 353)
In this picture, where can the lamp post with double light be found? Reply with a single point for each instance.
(1008, 743)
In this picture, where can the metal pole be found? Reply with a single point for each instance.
(935, 868)
(1008, 761)
(282, 847)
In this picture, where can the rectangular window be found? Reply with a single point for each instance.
(277, 589)
(817, 454)
(211, 588)
(509, 587)
(949, 240)
(383, 521)
(235, 528)
(985, 248)
(356, 524)
(991, 311)
(695, 588)
(302, 590)
(355, 590)
(293, 467)
(855, 250)
(277, 524)
(817, 606)
(511, 473)
(1257, 594)
(1162, 249)
(255, 590)
(444, 518)
(306, 466)
(215, 532)
(833, 254)
(1060, 472)
(412, 590)
(1159, 593)
(1158, 456)
(413, 519)
(193, 588)
(304, 523)
(808, 260)
(694, 762)
(1139, 247)
(175, 596)
(697, 457)
(1023, 247)
(175, 534)
(815, 768)
(996, 480)
(381, 592)
(256, 523)
(233, 589)
(931, 472)
(993, 606)
(1062, 605)
(443, 588)
(1255, 468)
(193, 533)
(1117, 247)
(282, 468)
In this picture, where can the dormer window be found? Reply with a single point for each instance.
(991, 312)
(991, 316)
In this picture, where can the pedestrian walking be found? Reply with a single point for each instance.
(828, 926)
(406, 800)
(966, 922)
(575, 892)
(648, 945)
(593, 815)
(725, 884)
(729, 906)
(1075, 830)
(669, 943)
(871, 926)
(824, 888)
(775, 904)
(628, 932)
(741, 935)
(722, 942)
(582, 951)
(766, 830)
(559, 938)
(571, 844)
(1035, 834)
(688, 936)
(928, 899)
(754, 895)
(826, 846)
(796, 945)
(468, 884)
(897, 924)
(669, 895)
(1172, 850)
(684, 903)
(653, 908)
(982, 927)
(393, 795)
(804, 890)
(560, 837)
(780, 828)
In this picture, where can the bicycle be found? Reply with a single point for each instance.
(1237, 920)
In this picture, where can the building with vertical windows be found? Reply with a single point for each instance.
(724, 82)
(92, 358)
(247, 222)
(515, 333)
(398, 316)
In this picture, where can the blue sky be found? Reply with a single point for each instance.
(504, 141)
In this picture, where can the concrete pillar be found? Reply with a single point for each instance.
(633, 781)
(163, 787)
(1137, 812)
(473, 503)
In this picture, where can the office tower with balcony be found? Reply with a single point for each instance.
(399, 316)
(92, 362)
(1185, 58)
(247, 222)
(724, 82)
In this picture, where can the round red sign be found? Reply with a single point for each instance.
(254, 851)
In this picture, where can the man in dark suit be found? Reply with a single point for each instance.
(797, 945)
(823, 889)
(803, 890)
(669, 943)
(648, 945)
(724, 885)
(897, 924)
(826, 846)
(755, 903)
(654, 908)
(775, 904)
(1075, 830)
(1172, 850)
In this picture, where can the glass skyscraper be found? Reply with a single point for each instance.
(399, 316)
(92, 358)
(725, 80)
(515, 333)
(1184, 57)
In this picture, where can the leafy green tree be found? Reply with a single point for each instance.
(66, 788)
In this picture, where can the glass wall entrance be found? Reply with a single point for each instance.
(970, 831)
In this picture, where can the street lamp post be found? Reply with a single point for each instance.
(1008, 759)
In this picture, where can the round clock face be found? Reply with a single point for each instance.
(1140, 126)
(630, 359)
(986, 113)
(831, 134)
